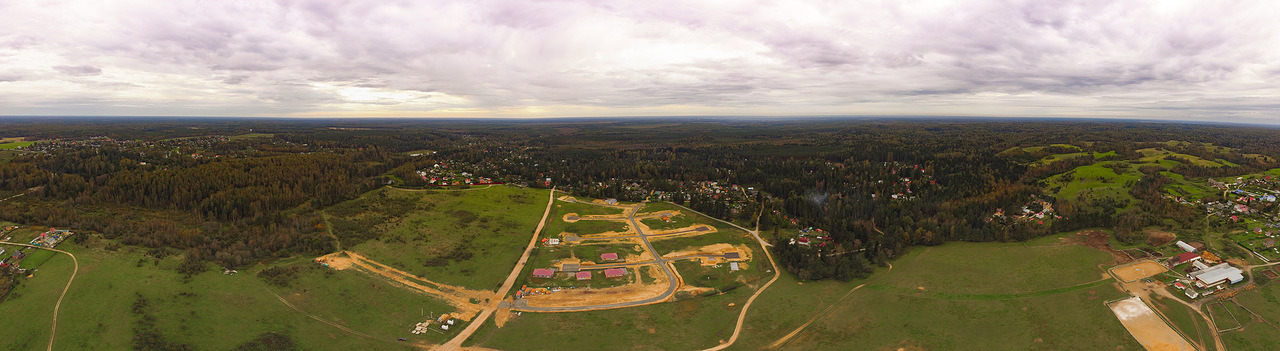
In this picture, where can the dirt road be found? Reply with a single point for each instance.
(737, 328)
(54, 330)
(456, 342)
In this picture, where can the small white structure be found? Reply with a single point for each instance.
(733, 266)
(1185, 246)
(445, 327)
(553, 241)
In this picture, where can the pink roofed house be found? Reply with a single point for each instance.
(609, 257)
(543, 272)
(584, 275)
(615, 272)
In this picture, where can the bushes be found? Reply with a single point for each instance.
(269, 341)
(279, 276)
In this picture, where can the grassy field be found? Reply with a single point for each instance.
(15, 145)
(1012, 316)
(584, 209)
(726, 234)
(470, 238)
(1094, 181)
(680, 221)
(588, 227)
(1265, 301)
(213, 311)
(543, 256)
(721, 278)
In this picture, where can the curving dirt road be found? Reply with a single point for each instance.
(742, 316)
(53, 330)
(456, 342)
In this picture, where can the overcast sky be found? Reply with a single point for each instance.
(1207, 60)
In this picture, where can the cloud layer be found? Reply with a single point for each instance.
(1207, 60)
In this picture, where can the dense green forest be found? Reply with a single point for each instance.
(238, 191)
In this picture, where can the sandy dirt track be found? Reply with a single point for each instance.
(1150, 331)
(457, 296)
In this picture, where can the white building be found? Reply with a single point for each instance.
(1185, 246)
(1216, 275)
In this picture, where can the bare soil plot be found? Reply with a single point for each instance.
(592, 297)
(744, 253)
(1157, 237)
(1148, 328)
(1133, 272)
(1098, 240)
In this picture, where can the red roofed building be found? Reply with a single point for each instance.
(803, 241)
(1185, 257)
(609, 257)
(615, 272)
(543, 272)
(584, 275)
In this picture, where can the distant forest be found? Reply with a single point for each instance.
(239, 191)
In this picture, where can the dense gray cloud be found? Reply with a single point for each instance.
(1208, 60)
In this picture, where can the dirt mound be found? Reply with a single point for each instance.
(1157, 237)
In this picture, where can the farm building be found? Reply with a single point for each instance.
(1216, 275)
(609, 257)
(733, 266)
(732, 255)
(569, 267)
(584, 275)
(615, 272)
(803, 241)
(543, 272)
(1185, 247)
(1184, 258)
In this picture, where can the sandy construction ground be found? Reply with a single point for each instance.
(744, 253)
(592, 297)
(457, 296)
(1142, 269)
(1150, 331)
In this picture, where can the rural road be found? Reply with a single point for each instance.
(53, 330)
(742, 316)
(456, 342)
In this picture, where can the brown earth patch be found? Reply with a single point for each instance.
(1156, 237)
(1098, 240)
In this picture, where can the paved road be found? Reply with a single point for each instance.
(54, 330)
(456, 342)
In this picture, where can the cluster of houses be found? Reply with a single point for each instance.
(546, 273)
(1208, 273)
(51, 238)
(819, 238)
(1029, 212)
(441, 174)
